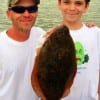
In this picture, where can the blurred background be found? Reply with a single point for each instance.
(49, 14)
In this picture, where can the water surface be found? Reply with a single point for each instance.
(49, 15)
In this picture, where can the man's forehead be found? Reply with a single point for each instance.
(14, 2)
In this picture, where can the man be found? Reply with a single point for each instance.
(17, 51)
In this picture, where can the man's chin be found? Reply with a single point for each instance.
(25, 30)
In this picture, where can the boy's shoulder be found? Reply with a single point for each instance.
(93, 28)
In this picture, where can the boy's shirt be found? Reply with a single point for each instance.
(87, 43)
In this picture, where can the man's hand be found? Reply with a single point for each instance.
(88, 24)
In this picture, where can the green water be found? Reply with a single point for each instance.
(49, 15)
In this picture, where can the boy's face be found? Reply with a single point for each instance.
(72, 10)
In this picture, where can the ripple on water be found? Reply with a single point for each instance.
(49, 15)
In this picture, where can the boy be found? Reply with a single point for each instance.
(87, 43)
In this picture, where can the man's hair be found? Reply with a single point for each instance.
(14, 2)
(56, 64)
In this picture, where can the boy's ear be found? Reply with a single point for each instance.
(59, 3)
(86, 8)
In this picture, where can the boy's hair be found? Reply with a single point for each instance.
(14, 2)
(87, 1)
(56, 64)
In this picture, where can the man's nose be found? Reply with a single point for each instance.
(26, 13)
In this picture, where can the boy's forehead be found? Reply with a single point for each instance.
(71, 0)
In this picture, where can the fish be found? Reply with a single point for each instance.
(56, 63)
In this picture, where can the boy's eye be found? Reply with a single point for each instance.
(66, 1)
(79, 3)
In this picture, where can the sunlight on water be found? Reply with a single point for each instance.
(49, 15)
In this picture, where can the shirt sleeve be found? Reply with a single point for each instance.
(98, 31)
(41, 40)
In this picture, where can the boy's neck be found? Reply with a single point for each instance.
(73, 25)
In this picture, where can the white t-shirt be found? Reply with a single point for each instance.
(16, 64)
(87, 43)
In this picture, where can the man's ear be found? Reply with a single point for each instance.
(8, 13)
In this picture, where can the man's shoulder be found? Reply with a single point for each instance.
(37, 32)
(2, 32)
(92, 27)
(38, 29)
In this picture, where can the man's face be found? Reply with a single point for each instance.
(23, 21)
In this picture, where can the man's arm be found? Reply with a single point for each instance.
(99, 85)
(34, 80)
(88, 24)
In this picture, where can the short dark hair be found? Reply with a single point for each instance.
(56, 64)
(87, 1)
(14, 2)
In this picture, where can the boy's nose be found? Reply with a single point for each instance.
(72, 6)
